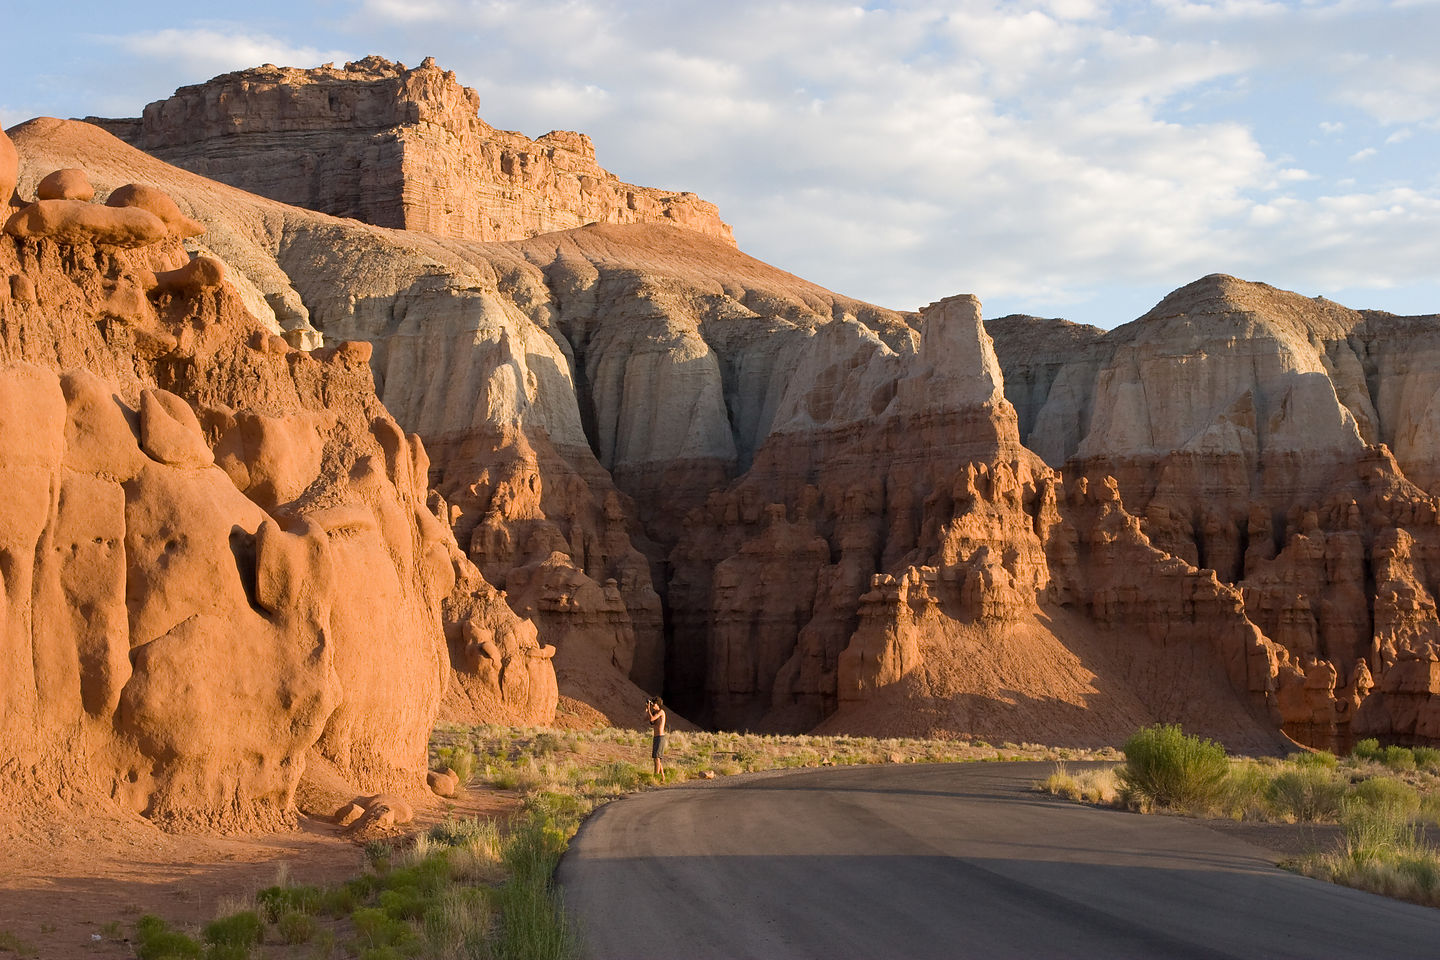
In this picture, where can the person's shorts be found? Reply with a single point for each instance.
(657, 746)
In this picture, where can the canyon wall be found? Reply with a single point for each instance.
(686, 470)
(396, 147)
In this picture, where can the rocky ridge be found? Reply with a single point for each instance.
(396, 147)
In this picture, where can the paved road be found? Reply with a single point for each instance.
(952, 861)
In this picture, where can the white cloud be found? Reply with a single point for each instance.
(1400, 136)
(1361, 155)
(207, 51)
(1331, 127)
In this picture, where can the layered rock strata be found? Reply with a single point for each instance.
(1285, 444)
(798, 509)
(396, 147)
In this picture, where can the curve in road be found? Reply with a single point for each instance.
(945, 861)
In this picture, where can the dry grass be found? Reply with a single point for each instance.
(1098, 786)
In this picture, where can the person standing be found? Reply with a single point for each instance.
(655, 716)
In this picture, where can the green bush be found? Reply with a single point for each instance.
(1316, 758)
(1398, 758)
(275, 901)
(1377, 833)
(1242, 793)
(237, 930)
(378, 930)
(296, 927)
(1367, 749)
(1165, 768)
(156, 941)
(1383, 793)
(1307, 793)
(1427, 758)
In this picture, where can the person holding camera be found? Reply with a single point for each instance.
(655, 716)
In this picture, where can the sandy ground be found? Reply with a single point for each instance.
(79, 897)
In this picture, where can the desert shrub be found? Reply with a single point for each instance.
(1427, 758)
(461, 759)
(1367, 749)
(1316, 758)
(236, 930)
(1166, 768)
(1242, 792)
(156, 941)
(1398, 758)
(296, 927)
(1376, 831)
(376, 929)
(1307, 793)
(274, 901)
(1384, 793)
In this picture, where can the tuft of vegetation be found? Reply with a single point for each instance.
(1164, 768)
(1101, 787)
(1426, 759)
(10, 943)
(1398, 758)
(154, 940)
(1307, 793)
(459, 758)
(1367, 749)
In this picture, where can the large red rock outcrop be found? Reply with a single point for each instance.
(219, 554)
(396, 147)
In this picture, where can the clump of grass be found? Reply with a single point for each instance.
(1314, 758)
(1083, 786)
(1398, 758)
(295, 926)
(1384, 794)
(10, 943)
(1367, 749)
(273, 902)
(1242, 794)
(1426, 758)
(461, 759)
(233, 937)
(1306, 793)
(154, 940)
(1166, 768)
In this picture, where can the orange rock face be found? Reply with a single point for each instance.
(217, 560)
(396, 147)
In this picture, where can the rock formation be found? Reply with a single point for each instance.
(1283, 444)
(219, 554)
(652, 461)
(396, 147)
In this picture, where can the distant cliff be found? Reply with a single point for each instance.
(395, 147)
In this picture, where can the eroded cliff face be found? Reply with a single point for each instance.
(686, 469)
(221, 561)
(1282, 443)
(396, 147)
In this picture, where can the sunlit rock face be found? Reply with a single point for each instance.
(396, 147)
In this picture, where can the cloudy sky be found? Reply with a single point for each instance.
(1074, 158)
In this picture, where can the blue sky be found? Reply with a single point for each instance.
(1071, 158)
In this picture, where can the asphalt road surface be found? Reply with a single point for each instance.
(953, 861)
